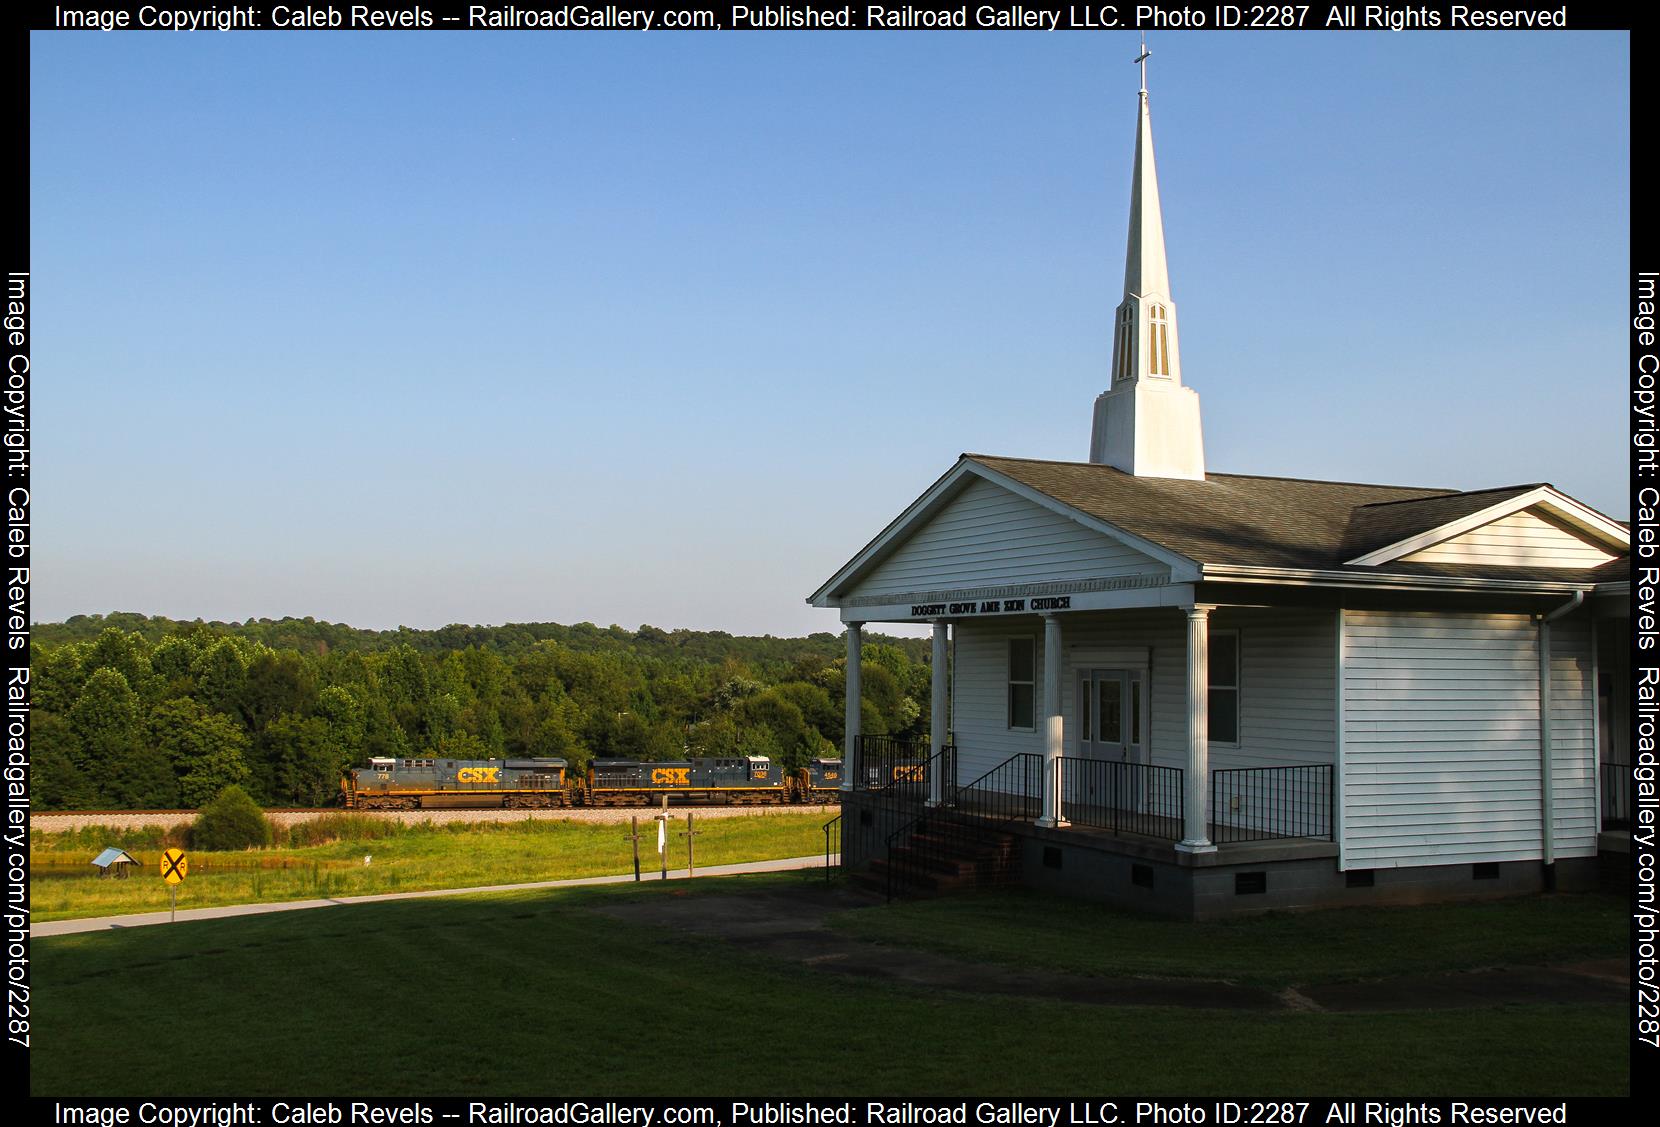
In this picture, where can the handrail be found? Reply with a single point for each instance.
(827, 826)
(976, 800)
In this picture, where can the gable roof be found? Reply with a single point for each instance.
(1245, 521)
(1277, 522)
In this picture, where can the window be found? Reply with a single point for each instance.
(1020, 682)
(1224, 686)
(1125, 342)
(1158, 342)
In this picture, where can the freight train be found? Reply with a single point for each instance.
(413, 784)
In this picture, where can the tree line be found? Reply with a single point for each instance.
(131, 712)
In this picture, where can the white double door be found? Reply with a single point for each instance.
(1112, 726)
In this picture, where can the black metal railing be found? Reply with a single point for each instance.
(1135, 798)
(1616, 795)
(904, 766)
(1260, 803)
(832, 857)
(964, 843)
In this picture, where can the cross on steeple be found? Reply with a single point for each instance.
(1147, 422)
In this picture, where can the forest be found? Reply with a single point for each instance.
(136, 712)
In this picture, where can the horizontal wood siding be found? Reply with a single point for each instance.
(1521, 539)
(1287, 695)
(1573, 747)
(1288, 687)
(1441, 739)
(987, 536)
(980, 718)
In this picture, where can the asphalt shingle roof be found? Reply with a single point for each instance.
(1271, 521)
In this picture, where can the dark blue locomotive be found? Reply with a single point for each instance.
(412, 784)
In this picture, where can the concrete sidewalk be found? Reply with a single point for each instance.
(146, 919)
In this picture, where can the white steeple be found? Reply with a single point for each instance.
(1147, 424)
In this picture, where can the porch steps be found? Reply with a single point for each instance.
(935, 862)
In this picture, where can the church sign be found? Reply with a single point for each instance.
(991, 606)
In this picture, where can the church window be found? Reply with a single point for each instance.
(1159, 342)
(1126, 325)
(1224, 687)
(1021, 682)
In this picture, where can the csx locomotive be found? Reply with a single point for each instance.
(411, 784)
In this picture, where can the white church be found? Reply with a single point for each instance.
(1201, 693)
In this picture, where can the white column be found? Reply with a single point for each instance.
(1053, 816)
(850, 739)
(1195, 835)
(937, 725)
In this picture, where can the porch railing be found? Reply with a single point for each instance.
(1616, 794)
(1261, 803)
(1136, 798)
(890, 764)
(966, 840)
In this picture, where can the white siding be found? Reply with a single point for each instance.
(1521, 539)
(1287, 688)
(987, 536)
(1287, 673)
(1441, 739)
(1573, 748)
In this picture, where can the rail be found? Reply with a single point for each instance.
(1616, 794)
(890, 764)
(962, 841)
(1135, 798)
(1261, 803)
(835, 822)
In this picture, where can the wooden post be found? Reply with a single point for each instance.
(689, 833)
(663, 837)
(634, 836)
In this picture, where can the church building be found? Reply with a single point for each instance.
(1202, 693)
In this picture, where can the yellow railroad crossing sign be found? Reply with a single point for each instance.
(174, 866)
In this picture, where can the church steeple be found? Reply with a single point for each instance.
(1147, 424)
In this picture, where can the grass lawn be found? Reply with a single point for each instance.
(423, 857)
(1277, 949)
(533, 994)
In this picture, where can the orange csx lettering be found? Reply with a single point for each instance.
(671, 776)
(476, 775)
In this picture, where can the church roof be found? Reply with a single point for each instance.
(1278, 522)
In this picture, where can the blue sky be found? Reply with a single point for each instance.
(488, 327)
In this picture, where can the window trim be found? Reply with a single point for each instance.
(1236, 688)
(1009, 682)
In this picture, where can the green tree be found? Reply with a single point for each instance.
(231, 820)
(206, 750)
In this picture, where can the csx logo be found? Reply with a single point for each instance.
(671, 776)
(908, 774)
(476, 775)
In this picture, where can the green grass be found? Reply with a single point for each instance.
(1276, 949)
(532, 993)
(425, 857)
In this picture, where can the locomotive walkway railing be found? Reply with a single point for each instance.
(1258, 803)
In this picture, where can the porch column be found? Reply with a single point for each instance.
(1195, 835)
(1053, 816)
(850, 738)
(937, 725)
